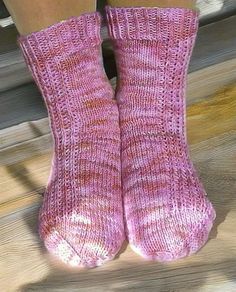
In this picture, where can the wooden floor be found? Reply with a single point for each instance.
(25, 154)
(25, 264)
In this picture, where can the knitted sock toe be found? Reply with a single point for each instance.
(81, 219)
(168, 215)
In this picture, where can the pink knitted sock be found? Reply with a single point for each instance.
(168, 215)
(81, 220)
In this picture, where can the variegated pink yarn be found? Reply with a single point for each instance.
(81, 220)
(168, 215)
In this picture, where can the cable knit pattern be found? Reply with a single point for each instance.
(81, 219)
(168, 215)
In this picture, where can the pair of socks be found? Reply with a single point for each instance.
(139, 140)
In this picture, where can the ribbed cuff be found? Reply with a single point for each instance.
(151, 23)
(63, 37)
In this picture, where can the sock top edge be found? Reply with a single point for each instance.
(88, 25)
(149, 8)
(63, 38)
(151, 23)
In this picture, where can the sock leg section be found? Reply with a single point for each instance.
(167, 212)
(81, 219)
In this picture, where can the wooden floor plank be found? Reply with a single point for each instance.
(33, 138)
(216, 43)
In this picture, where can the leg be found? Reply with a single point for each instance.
(83, 195)
(167, 212)
(30, 16)
(153, 3)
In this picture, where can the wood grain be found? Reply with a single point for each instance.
(26, 266)
(33, 138)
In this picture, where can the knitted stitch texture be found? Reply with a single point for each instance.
(167, 213)
(81, 219)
